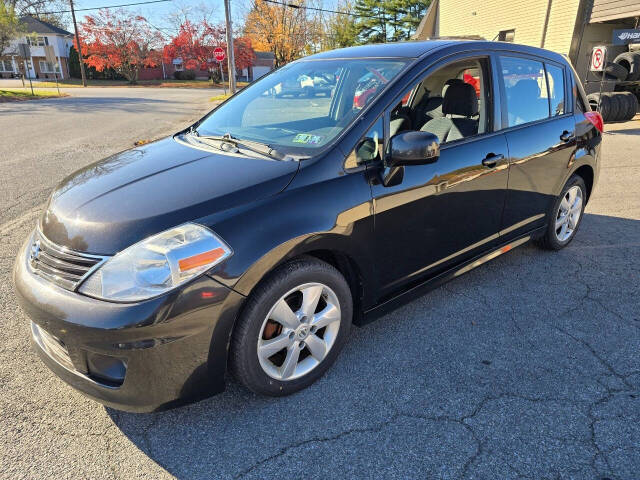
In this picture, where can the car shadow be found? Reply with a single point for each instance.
(630, 131)
(75, 104)
(511, 350)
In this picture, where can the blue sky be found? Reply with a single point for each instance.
(158, 13)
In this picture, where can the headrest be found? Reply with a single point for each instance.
(451, 81)
(460, 99)
(526, 88)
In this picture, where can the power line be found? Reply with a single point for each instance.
(293, 5)
(105, 7)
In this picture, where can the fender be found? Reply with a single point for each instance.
(585, 156)
(295, 223)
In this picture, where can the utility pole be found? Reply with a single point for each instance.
(75, 26)
(231, 61)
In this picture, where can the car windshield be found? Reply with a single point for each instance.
(303, 106)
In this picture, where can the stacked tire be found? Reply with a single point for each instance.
(614, 106)
(624, 68)
(630, 61)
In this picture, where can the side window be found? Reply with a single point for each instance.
(526, 90)
(369, 148)
(450, 102)
(555, 79)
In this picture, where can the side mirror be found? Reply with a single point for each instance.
(413, 148)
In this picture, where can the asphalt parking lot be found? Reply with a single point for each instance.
(528, 367)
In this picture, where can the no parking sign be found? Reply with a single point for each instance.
(598, 55)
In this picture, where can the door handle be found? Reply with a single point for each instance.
(566, 136)
(491, 160)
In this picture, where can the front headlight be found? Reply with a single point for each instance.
(157, 264)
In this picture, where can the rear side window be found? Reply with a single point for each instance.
(525, 89)
(555, 80)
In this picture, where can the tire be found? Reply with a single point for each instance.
(601, 104)
(279, 294)
(632, 105)
(618, 106)
(613, 71)
(554, 237)
(630, 61)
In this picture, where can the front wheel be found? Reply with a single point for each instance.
(293, 327)
(565, 216)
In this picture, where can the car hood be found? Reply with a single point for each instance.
(112, 204)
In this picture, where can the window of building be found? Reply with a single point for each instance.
(369, 148)
(526, 90)
(48, 67)
(37, 41)
(6, 66)
(555, 80)
(507, 35)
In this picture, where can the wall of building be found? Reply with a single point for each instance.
(61, 46)
(487, 18)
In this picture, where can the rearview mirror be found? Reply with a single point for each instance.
(413, 148)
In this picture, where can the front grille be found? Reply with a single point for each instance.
(62, 266)
(53, 347)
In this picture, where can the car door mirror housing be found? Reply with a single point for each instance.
(413, 148)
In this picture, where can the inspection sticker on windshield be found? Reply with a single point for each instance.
(306, 138)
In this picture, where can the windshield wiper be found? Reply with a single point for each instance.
(256, 147)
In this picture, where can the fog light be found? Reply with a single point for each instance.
(106, 369)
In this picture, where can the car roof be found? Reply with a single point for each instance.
(385, 50)
(416, 49)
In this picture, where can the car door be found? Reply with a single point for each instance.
(445, 212)
(540, 132)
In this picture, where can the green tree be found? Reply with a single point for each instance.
(341, 30)
(39, 9)
(411, 15)
(372, 25)
(10, 27)
(74, 63)
(388, 20)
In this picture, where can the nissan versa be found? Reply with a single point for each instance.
(322, 195)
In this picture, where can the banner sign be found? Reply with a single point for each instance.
(626, 36)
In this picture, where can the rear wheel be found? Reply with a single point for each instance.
(565, 216)
(292, 329)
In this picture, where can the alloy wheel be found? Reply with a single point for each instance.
(569, 212)
(299, 331)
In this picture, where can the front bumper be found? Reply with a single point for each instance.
(137, 357)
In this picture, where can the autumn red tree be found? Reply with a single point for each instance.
(115, 39)
(195, 43)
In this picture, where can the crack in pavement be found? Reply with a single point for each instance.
(462, 421)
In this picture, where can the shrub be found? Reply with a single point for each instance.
(184, 75)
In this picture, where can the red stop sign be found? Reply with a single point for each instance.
(219, 54)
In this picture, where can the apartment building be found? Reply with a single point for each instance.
(38, 34)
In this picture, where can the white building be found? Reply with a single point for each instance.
(38, 35)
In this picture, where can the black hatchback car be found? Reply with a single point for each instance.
(251, 241)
